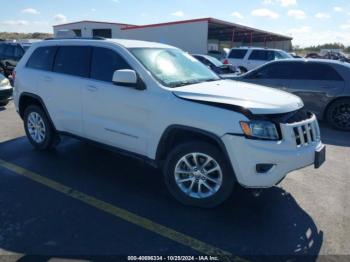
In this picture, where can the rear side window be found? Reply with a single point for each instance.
(273, 71)
(2, 49)
(315, 71)
(9, 51)
(18, 52)
(104, 62)
(262, 55)
(237, 53)
(73, 60)
(42, 58)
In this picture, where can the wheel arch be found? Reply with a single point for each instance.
(324, 113)
(179, 134)
(27, 99)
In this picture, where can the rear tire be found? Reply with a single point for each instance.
(188, 177)
(38, 128)
(338, 114)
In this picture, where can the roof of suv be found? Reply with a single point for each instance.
(255, 48)
(122, 42)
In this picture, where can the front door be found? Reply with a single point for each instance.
(115, 115)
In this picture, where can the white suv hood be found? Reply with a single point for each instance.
(257, 99)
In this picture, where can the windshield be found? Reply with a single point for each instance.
(25, 47)
(215, 61)
(173, 67)
(283, 55)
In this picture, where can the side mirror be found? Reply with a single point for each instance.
(129, 78)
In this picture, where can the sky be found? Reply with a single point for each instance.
(309, 22)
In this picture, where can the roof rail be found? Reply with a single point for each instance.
(77, 38)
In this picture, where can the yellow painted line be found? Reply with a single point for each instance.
(130, 217)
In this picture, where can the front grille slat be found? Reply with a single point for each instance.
(301, 135)
(306, 133)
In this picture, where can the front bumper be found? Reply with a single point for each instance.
(6, 93)
(286, 155)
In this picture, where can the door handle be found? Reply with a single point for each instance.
(91, 88)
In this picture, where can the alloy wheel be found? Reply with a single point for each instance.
(198, 175)
(36, 127)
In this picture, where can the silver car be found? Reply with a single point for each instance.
(324, 86)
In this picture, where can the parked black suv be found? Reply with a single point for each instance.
(10, 54)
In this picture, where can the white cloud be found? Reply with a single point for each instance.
(297, 14)
(264, 12)
(115, 1)
(284, 3)
(299, 30)
(338, 9)
(321, 37)
(178, 13)
(345, 26)
(30, 11)
(59, 18)
(15, 22)
(237, 15)
(322, 16)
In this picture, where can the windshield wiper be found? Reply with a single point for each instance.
(183, 83)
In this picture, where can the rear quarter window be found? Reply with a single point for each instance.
(315, 71)
(237, 53)
(42, 58)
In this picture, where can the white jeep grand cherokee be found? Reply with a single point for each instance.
(157, 103)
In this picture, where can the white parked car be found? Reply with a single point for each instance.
(5, 91)
(157, 103)
(248, 58)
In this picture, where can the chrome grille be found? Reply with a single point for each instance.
(306, 133)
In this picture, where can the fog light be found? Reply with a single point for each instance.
(264, 168)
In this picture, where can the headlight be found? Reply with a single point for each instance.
(5, 82)
(260, 130)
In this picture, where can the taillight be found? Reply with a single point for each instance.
(226, 62)
(13, 75)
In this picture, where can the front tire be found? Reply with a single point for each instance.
(38, 128)
(2, 104)
(338, 114)
(197, 174)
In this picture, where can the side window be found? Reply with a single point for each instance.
(262, 55)
(237, 53)
(9, 51)
(2, 50)
(203, 61)
(73, 60)
(104, 62)
(315, 71)
(273, 71)
(18, 53)
(42, 58)
(322, 72)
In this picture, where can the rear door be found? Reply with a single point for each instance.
(259, 57)
(316, 83)
(236, 56)
(70, 72)
(275, 75)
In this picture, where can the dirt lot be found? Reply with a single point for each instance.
(54, 204)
